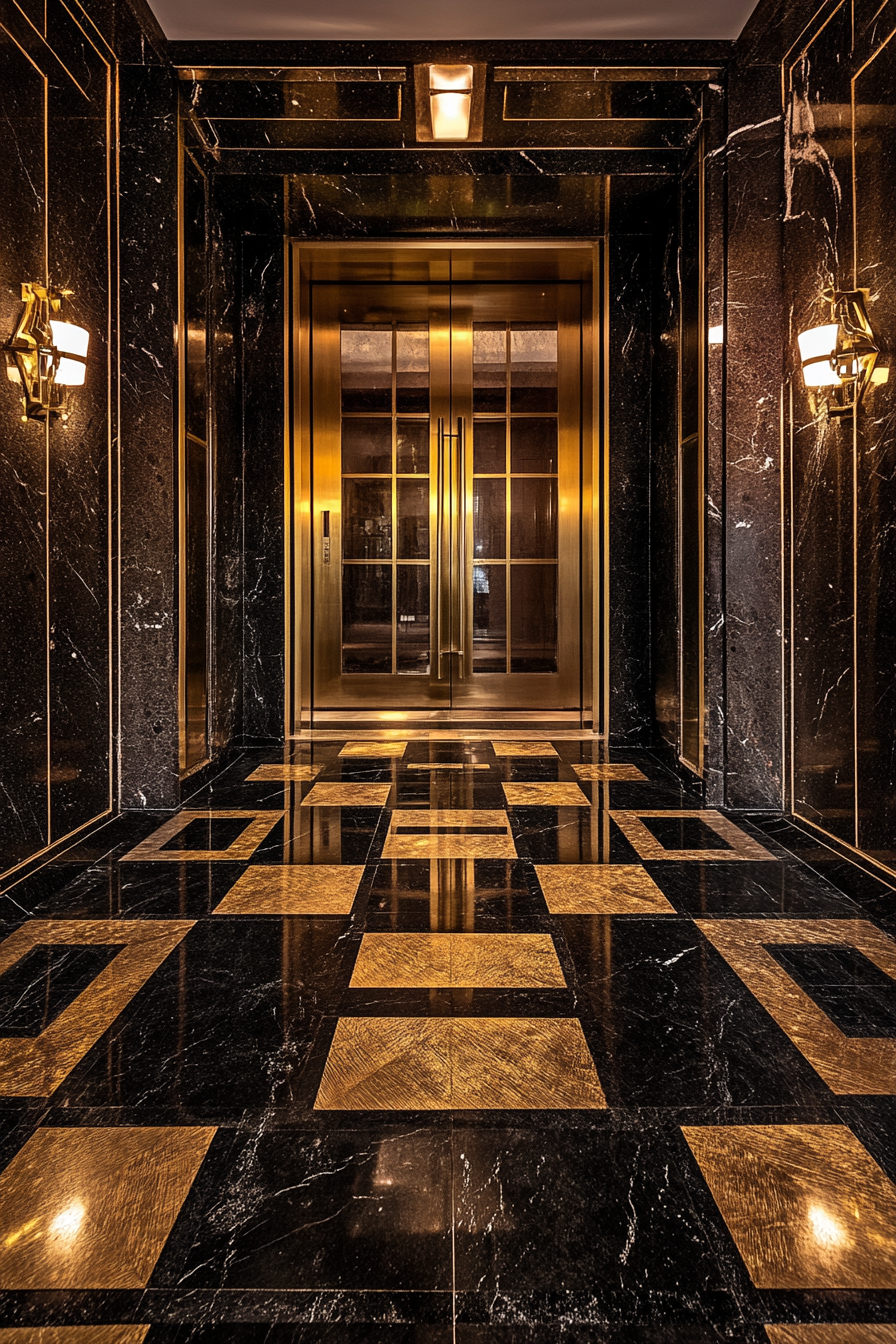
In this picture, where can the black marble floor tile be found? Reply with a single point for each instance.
(569, 835)
(743, 889)
(455, 895)
(225, 1023)
(625, 1241)
(670, 1024)
(321, 835)
(358, 1210)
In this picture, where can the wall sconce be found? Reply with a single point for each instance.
(450, 102)
(715, 335)
(45, 354)
(841, 354)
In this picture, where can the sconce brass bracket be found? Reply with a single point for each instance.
(31, 355)
(856, 352)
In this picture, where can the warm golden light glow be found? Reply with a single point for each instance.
(451, 95)
(66, 1224)
(825, 1229)
(817, 345)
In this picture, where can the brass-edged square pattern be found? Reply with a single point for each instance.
(284, 773)
(850, 1065)
(74, 1334)
(648, 848)
(807, 1205)
(93, 1207)
(372, 749)
(449, 833)
(293, 889)
(459, 1063)
(852, 1333)
(34, 1066)
(457, 961)
(544, 795)
(523, 749)
(258, 826)
(347, 795)
(613, 773)
(601, 889)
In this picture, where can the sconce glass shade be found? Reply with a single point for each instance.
(817, 345)
(716, 335)
(450, 96)
(70, 340)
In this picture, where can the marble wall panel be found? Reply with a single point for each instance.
(24, 819)
(875, 465)
(753, 372)
(148, 245)
(262, 319)
(631, 442)
(664, 472)
(79, 505)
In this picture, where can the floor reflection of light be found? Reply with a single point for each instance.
(825, 1229)
(20, 1232)
(67, 1223)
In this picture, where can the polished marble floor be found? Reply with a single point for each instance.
(447, 1040)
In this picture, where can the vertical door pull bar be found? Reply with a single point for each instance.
(461, 524)
(325, 528)
(440, 512)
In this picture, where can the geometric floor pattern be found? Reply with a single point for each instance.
(447, 1040)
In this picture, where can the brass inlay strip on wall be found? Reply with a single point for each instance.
(581, 74)
(296, 74)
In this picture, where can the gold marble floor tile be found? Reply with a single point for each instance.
(544, 795)
(523, 749)
(647, 846)
(474, 1063)
(860, 1065)
(457, 961)
(92, 1208)
(293, 889)
(602, 773)
(74, 1334)
(601, 889)
(258, 827)
(449, 833)
(347, 795)
(858, 1333)
(284, 772)
(807, 1205)
(34, 1066)
(374, 749)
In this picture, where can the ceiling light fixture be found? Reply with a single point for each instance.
(45, 354)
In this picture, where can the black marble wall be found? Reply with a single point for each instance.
(57, 478)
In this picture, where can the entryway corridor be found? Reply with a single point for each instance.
(443, 1038)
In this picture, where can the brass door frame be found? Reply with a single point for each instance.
(435, 262)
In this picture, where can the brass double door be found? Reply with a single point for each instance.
(446, 452)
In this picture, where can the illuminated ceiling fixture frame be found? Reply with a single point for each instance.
(838, 358)
(450, 102)
(45, 354)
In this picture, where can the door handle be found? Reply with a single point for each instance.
(452, 495)
(325, 534)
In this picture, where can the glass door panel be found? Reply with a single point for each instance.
(445, 496)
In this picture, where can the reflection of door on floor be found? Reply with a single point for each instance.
(446, 463)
